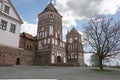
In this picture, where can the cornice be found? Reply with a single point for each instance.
(5, 15)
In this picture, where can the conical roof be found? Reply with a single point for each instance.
(50, 7)
(73, 31)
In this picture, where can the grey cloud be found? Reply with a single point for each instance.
(84, 8)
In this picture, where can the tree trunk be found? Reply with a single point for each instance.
(101, 64)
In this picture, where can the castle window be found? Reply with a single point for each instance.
(72, 55)
(52, 40)
(51, 31)
(39, 44)
(42, 28)
(12, 28)
(70, 40)
(56, 42)
(40, 35)
(45, 41)
(45, 33)
(68, 47)
(76, 38)
(27, 47)
(42, 17)
(55, 34)
(58, 38)
(68, 57)
(75, 56)
(60, 44)
(3, 25)
(51, 15)
(30, 48)
(6, 9)
(48, 41)
(63, 45)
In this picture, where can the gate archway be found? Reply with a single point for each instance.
(18, 61)
(58, 59)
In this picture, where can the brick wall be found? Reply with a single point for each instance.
(8, 56)
(27, 42)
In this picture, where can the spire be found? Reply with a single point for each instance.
(73, 30)
(50, 7)
(50, 1)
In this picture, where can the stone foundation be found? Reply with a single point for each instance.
(13, 56)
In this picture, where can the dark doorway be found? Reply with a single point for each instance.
(58, 59)
(18, 61)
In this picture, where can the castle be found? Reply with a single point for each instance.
(48, 47)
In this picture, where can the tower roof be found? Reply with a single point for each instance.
(50, 7)
(28, 36)
(73, 31)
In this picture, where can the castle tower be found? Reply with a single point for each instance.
(74, 48)
(51, 48)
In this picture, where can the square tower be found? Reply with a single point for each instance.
(74, 48)
(50, 48)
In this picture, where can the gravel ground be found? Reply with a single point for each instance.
(60, 73)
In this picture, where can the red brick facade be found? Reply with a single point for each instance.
(51, 49)
(27, 42)
(13, 56)
(75, 53)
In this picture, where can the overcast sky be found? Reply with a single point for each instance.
(75, 12)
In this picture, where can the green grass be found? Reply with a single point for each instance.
(104, 70)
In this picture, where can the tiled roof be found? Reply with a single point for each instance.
(11, 50)
(28, 36)
(73, 31)
(50, 7)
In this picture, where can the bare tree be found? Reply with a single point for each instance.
(94, 60)
(103, 35)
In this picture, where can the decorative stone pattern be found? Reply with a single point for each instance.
(8, 56)
(51, 47)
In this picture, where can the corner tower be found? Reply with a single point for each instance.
(50, 22)
(50, 48)
(74, 48)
